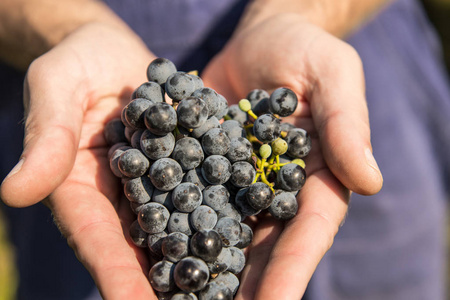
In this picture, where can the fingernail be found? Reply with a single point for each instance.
(371, 160)
(16, 168)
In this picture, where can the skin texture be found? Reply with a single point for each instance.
(71, 117)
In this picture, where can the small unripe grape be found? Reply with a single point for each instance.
(245, 105)
(279, 147)
(265, 151)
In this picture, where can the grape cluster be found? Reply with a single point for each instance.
(193, 168)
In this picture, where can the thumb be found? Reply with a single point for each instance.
(340, 113)
(52, 133)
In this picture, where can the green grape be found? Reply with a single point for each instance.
(245, 105)
(265, 151)
(300, 162)
(279, 146)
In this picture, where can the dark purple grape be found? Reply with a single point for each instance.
(241, 203)
(183, 296)
(259, 195)
(139, 189)
(233, 129)
(198, 82)
(128, 132)
(180, 85)
(164, 198)
(235, 113)
(284, 206)
(229, 230)
(229, 280)
(191, 274)
(215, 142)
(216, 169)
(242, 174)
(215, 291)
(192, 112)
(195, 176)
(114, 160)
(114, 132)
(259, 100)
(161, 276)
(299, 143)
(166, 295)
(291, 177)
(283, 102)
(155, 146)
(135, 139)
(221, 263)
(161, 118)
(165, 174)
(267, 128)
(153, 217)
(216, 196)
(132, 163)
(222, 107)
(210, 97)
(149, 90)
(211, 123)
(175, 246)
(179, 222)
(188, 153)
(245, 237)
(240, 150)
(135, 112)
(138, 236)
(286, 126)
(160, 69)
(206, 244)
(115, 147)
(203, 218)
(230, 211)
(186, 197)
(237, 260)
(154, 242)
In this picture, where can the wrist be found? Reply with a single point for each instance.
(28, 29)
(339, 18)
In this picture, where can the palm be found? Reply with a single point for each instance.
(285, 51)
(71, 92)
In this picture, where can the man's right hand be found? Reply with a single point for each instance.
(70, 94)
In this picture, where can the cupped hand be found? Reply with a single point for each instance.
(70, 94)
(327, 76)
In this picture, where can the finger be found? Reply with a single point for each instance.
(305, 239)
(93, 229)
(340, 115)
(265, 235)
(52, 133)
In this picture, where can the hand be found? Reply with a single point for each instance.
(327, 76)
(70, 93)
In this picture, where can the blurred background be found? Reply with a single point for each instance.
(439, 13)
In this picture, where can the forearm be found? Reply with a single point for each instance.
(29, 28)
(337, 17)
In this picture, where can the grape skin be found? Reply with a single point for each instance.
(283, 102)
(192, 112)
(161, 277)
(166, 174)
(156, 147)
(216, 169)
(160, 69)
(188, 153)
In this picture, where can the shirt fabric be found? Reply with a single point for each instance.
(392, 245)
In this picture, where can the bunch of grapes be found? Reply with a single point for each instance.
(193, 168)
